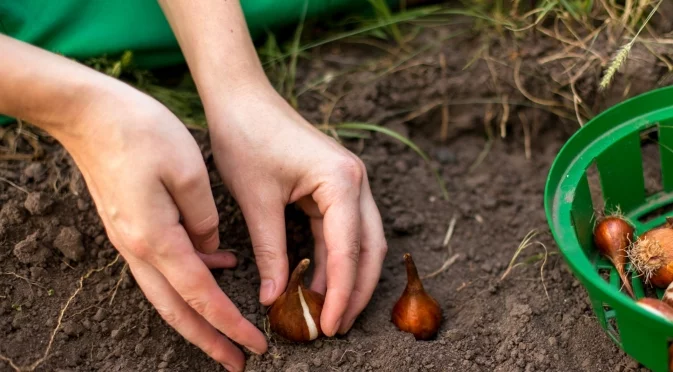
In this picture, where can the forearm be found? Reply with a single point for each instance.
(47, 90)
(215, 40)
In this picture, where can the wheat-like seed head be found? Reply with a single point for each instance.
(616, 63)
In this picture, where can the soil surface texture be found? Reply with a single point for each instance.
(51, 237)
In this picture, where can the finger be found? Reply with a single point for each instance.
(341, 226)
(192, 193)
(190, 277)
(266, 224)
(372, 254)
(184, 319)
(319, 282)
(218, 259)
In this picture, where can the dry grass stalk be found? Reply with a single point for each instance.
(3, 179)
(526, 134)
(505, 116)
(452, 257)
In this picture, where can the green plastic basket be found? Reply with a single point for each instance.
(612, 141)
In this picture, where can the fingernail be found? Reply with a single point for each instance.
(268, 287)
(228, 367)
(254, 350)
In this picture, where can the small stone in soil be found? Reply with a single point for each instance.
(552, 341)
(140, 349)
(100, 315)
(168, 356)
(72, 329)
(82, 205)
(100, 239)
(317, 362)
(69, 242)
(116, 334)
(37, 203)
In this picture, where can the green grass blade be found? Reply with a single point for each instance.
(401, 138)
(384, 14)
(395, 19)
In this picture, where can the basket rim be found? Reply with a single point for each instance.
(629, 112)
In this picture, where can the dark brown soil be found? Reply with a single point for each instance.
(51, 236)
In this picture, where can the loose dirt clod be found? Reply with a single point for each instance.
(69, 242)
(11, 214)
(38, 203)
(30, 251)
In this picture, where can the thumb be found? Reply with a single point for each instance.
(266, 224)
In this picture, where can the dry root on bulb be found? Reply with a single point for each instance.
(416, 312)
(295, 315)
(652, 255)
(612, 236)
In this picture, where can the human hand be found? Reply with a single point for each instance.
(145, 171)
(269, 156)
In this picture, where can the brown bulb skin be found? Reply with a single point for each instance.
(653, 254)
(612, 235)
(668, 295)
(295, 315)
(416, 312)
(657, 306)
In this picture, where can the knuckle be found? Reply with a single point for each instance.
(189, 178)
(206, 227)
(200, 305)
(351, 254)
(169, 316)
(215, 349)
(265, 253)
(237, 324)
(362, 166)
(137, 242)
(351, 169)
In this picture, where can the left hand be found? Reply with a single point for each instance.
(270, 156)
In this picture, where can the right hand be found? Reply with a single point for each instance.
(145, 171)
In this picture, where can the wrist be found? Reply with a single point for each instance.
(82, 108)
(223, 90)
